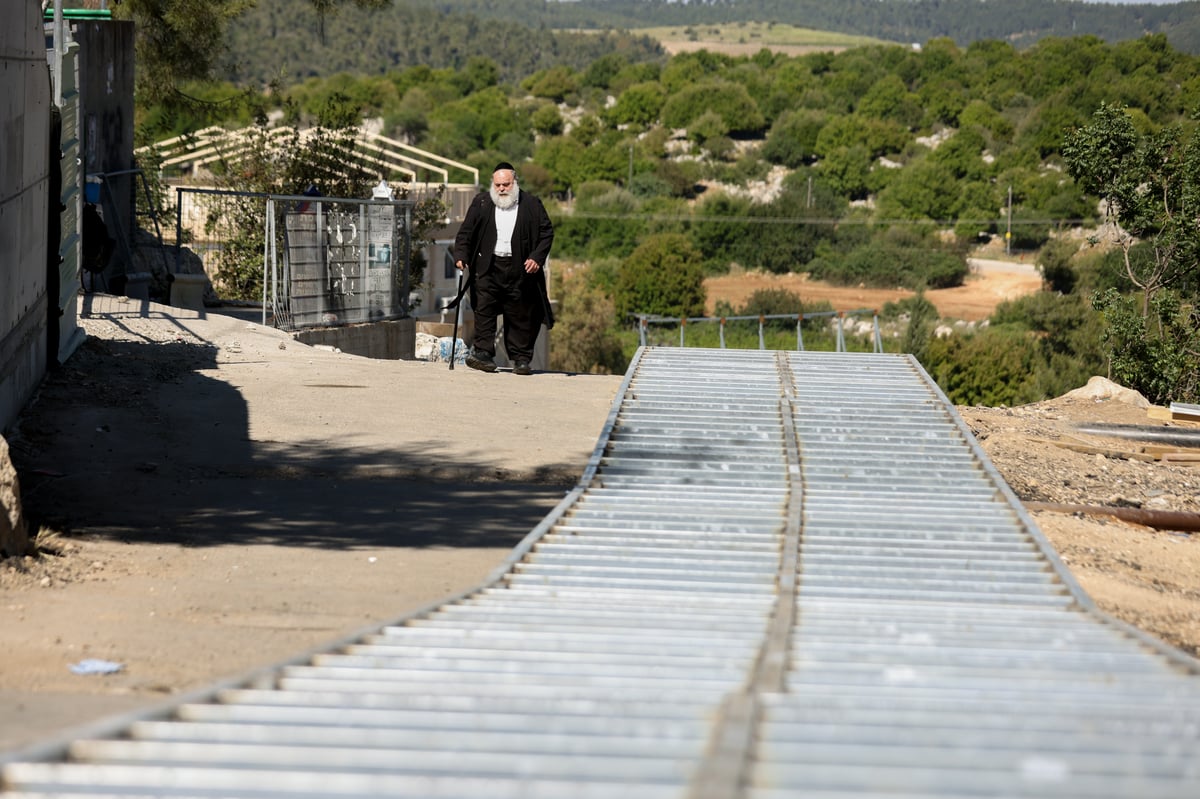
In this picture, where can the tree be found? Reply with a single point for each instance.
(924, 190)
(662, 276)
(547, 120)
(1150, 187)
(730, 101)
(792, 140)
(638, 105)
(890, 99)
(923, 319)
(183, 40)
(552, 84)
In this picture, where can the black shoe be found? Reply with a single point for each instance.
(480, 361)
(522, 368)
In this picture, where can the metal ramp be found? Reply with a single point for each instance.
(781, 574)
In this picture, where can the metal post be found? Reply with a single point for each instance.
(799, 334)
(394, 241)
(178, 229)
(722, 329)
(322, 242)
(1008, 232)
(878, 337)
(762, 342)
(268, 265)
(682, 325)
(404, 288)
(841, 334)
(364, 238)
(642, 330)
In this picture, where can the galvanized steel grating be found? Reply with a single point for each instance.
(781, 574)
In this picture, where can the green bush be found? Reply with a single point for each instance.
(1054, 262)
(991, 367)
(730, 101)
(792, 139)
(882, 264)
(662, 276)
(1158, 355)
(585, 338)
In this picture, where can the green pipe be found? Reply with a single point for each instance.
(79, 13)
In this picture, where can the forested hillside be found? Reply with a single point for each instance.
(284, 38)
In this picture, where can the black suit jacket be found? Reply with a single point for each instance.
(533, 234)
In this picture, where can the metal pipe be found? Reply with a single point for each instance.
(1182, 521)
(1176, 436)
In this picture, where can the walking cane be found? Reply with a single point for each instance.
(457, 307)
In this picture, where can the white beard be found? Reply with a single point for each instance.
(507, 201)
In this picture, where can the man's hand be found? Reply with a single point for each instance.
(531, 265)
(460, 265)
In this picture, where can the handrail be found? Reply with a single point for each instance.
(645, 320)
(212, 143)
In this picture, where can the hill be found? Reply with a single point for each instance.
(287, 40)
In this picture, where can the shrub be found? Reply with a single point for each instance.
(662, 276)
(585, 340)
(1158, 355)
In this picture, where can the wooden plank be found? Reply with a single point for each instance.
(1108, 452)
(1183, 411)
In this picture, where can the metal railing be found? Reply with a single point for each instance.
(645, 320)
(196, 152)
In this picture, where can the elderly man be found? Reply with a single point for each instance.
(504, 242)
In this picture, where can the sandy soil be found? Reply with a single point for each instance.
(675, 47)
(989, 283)
(228, 498)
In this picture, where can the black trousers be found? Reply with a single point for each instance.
(507, 290)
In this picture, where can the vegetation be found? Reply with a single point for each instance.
(1149, 186)
(281, 38)
(1159, 353)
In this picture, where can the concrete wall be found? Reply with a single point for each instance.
(25, 100)
(392, 340)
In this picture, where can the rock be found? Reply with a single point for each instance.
(1101, 388)
(14, 536)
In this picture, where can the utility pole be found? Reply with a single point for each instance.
(1008, 232)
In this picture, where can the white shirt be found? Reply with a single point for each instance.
(506, 221)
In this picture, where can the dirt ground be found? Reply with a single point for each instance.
(1145, 576)
(226, 498)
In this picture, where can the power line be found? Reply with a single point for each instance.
(804, 220)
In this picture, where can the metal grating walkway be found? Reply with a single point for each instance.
(782, 574)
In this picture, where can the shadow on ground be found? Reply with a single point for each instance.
(132, 440)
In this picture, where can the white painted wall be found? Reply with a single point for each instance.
(25, 100)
